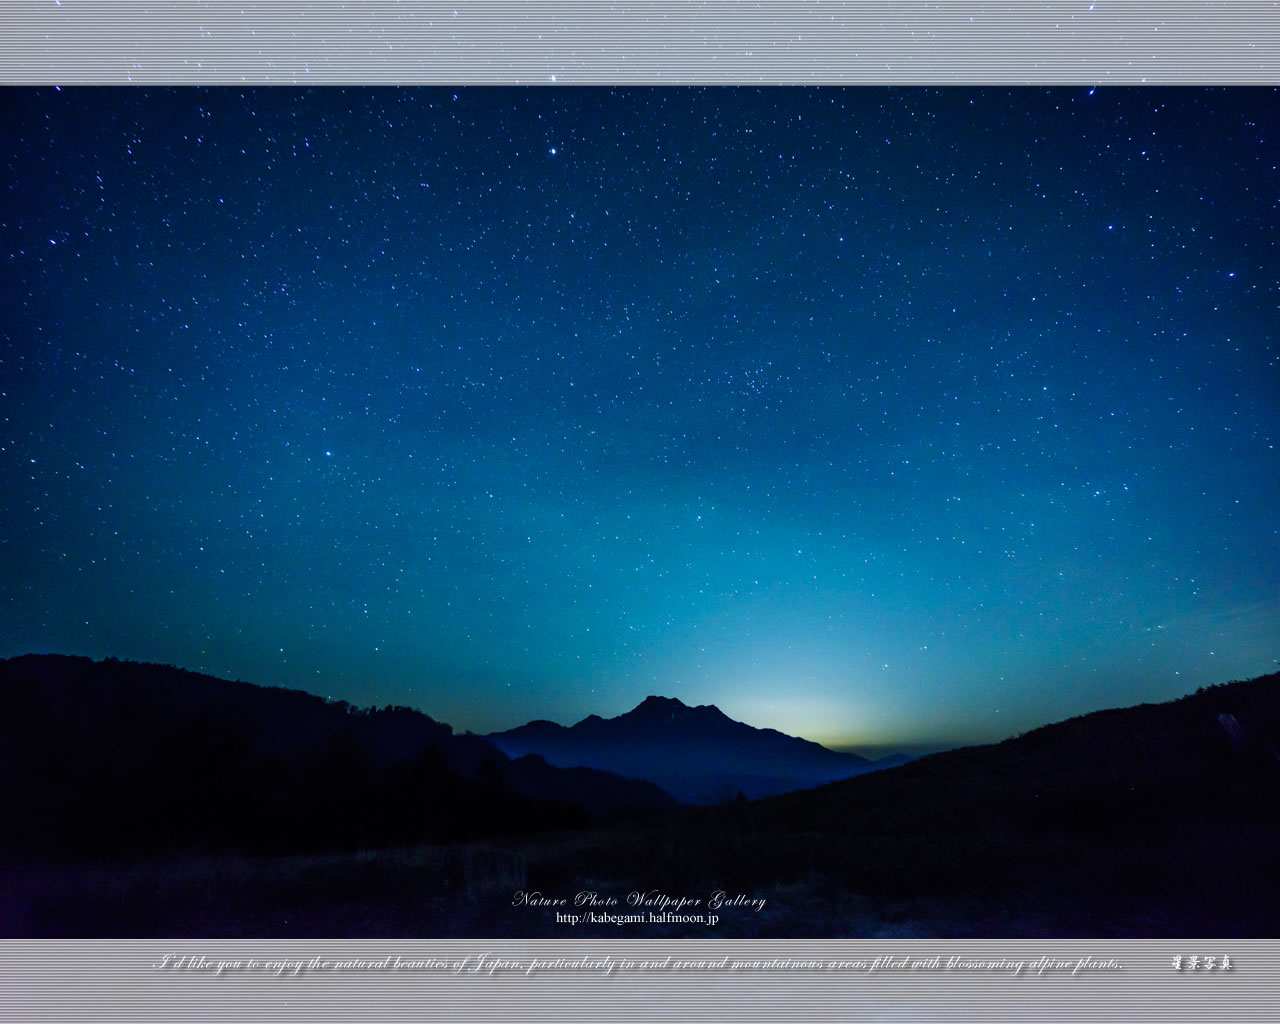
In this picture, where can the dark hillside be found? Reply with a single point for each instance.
(120, 758)
(1154, 821)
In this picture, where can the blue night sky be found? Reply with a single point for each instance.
(891, 418)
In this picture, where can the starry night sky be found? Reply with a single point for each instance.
(892, 418)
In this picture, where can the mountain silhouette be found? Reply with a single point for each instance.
(1153, 821)
(698, 754)
(122, 758)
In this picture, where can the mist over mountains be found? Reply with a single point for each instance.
(698, 754)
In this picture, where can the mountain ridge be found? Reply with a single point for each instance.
(134, 757)
(696, 752)
(1150, 821)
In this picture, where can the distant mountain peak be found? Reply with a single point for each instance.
(699, 753)
(654, 708)
(657, 703)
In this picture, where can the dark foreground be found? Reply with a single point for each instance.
(812, 884)
(1158, 821)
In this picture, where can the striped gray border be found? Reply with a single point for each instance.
(638, 43)
(702, 979)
